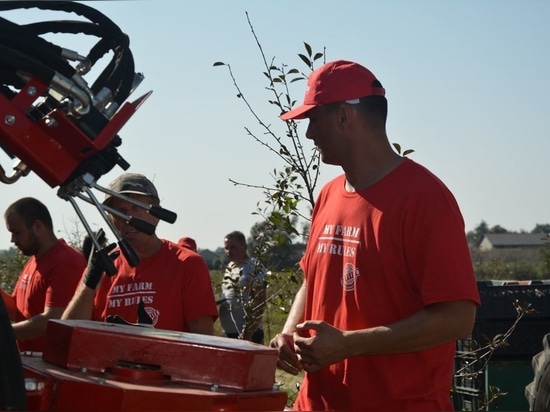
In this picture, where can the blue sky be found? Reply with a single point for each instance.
(467, 84)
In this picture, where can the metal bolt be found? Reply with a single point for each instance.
(31, 91)
(50, 122)
(9, 119)
(31, 384)
(215, 388)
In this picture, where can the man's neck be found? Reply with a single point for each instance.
(45, 246)
(370, 174)
(149, 248)
(240, 261)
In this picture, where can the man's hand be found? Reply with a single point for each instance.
(325, 347)
(100, 261)
(288, 361)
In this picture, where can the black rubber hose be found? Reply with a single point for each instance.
(119, 74)
(10, 58)
(26, 42)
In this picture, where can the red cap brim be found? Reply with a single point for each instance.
(297, 113)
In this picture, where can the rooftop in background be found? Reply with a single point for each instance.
(513, 240)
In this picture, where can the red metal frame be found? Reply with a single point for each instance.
(54, 146)
(80, 370)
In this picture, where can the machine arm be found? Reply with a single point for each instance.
(54, 122)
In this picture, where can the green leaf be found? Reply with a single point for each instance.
(308, 48)
(305, 59)
(397, 147)
(317, 56)
(219, 64)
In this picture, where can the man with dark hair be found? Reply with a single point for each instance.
(170, 288)
(48, 279)
(389, 283)
(242, 302)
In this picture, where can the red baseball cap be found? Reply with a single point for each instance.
(336, 81)
(188, 243)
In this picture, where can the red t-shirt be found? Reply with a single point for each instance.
(173, 283)
(374, 257)
(47, 282)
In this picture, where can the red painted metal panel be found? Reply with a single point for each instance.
(61, 390)
(184, 357)
(39, 151)
(92, 366)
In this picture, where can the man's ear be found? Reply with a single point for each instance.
(37, 226)
(344, 115)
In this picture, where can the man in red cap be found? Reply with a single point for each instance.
(389, 284)
(188, 242)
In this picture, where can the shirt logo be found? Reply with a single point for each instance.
(25, 281)
(154, 314)
(349, 277)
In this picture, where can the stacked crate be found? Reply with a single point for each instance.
(469, 381)
(509, 368)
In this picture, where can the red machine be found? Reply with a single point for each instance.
(92, 366)
(55, 124)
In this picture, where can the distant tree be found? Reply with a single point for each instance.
(219, 262)
(545, 254)
(542, 228)
(476, 236)
(514, 263)
(498, 229)
(11, 264)
(278, 255)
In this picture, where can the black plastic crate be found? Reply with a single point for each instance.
(467, 400)
(468, 373)
(497, 314)
(497, 299)
(466, 345)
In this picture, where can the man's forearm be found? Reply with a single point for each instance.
(81, 305)
(296, 313)
(30, 328)
(432, 326)
(36, 326)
